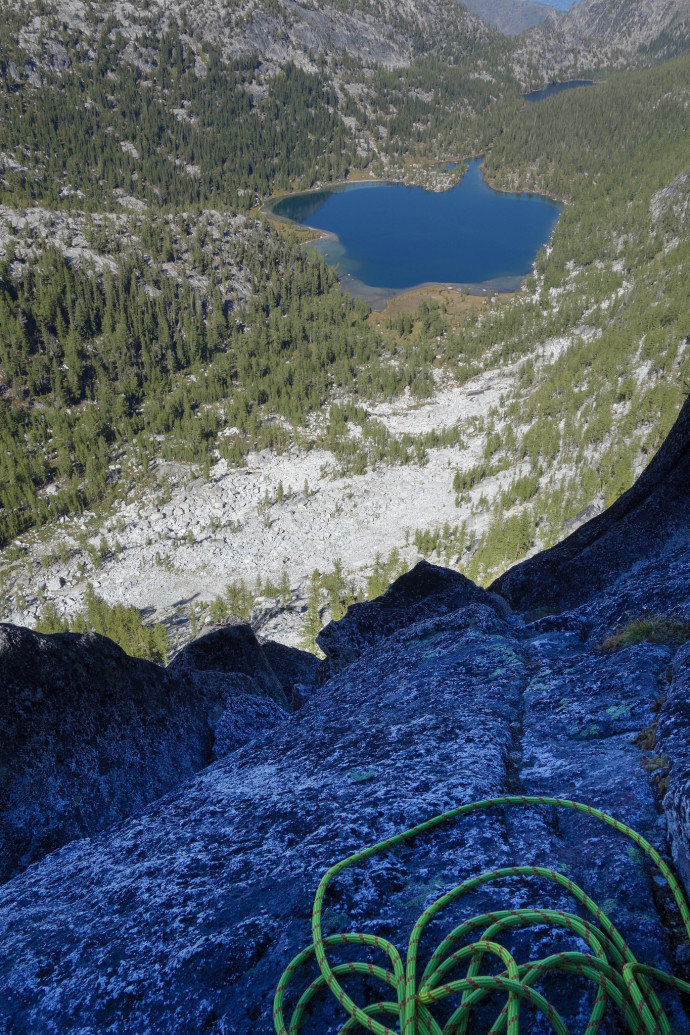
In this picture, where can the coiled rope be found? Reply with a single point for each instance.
(610, 964)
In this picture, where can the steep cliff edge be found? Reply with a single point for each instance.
(643, 524)
(180, 919)
(88, 735)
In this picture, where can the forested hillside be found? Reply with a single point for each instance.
(103, 130)
(140, 332)
(134, 364)
(147, 312)
(612, 292)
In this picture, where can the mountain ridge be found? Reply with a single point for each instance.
(603, 34)
(277, 30)
(511, 16)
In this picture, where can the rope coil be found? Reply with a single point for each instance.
(610, 964)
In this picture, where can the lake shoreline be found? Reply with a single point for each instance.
(512, 190)
(554, 88)
(378, 297)
(361, 176)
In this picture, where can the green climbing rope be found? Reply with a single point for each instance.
(610, 964)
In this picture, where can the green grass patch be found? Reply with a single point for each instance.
(648, 628)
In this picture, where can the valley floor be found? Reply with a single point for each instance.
(186, 541)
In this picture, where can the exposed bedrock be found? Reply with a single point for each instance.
(181, 918)
(88, 735)
(188, 912)
(232, 648)
(424, 591)
(672, 760)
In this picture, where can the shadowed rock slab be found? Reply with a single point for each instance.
(420, 594)
(244, 715)
(672, 757)
(231, 649)
(182, 919)
(293, 667)
(88, 736)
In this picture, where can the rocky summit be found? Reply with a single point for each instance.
(568, 679)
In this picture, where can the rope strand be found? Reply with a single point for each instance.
(610, 964)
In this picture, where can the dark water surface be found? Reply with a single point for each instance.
(389, 237)
(554, 88)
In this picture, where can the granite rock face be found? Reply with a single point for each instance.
(425, 591)
(622, 24)
(508, 16)
(188, 912)
(181, 918)
(88, 735)
(226, 651)
(244, 716)
(295, 669)
(601, 34)
(210, 889)
(385, 31)
(672, 760)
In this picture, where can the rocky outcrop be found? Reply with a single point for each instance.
(243, 715)
(231, 649)
(672, 760)
(386, 31)
(296, 670)
(232, 859)
(422, 593)
(620, 23)
(88, 735)
(230, 663)
(601, 34)
(641, 525)
(182, 918)
(510, 17)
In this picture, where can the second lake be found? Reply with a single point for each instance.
(389, 237)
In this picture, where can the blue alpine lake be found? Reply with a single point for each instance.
(553, 88)
(386, 237)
